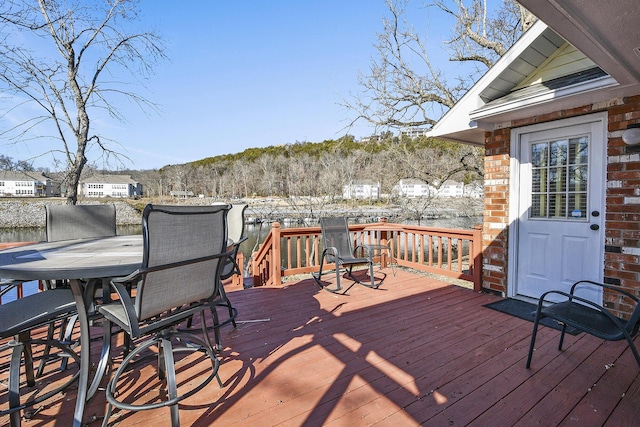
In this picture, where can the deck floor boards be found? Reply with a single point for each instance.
(419, 351)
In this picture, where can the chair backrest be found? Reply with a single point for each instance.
(235, 233)
(66, 222)
(235, 222)
(335, 233)
(174, 236)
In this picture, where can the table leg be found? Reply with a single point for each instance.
(85, 351)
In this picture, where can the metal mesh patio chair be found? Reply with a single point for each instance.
(70, 222)
(184, 249)
(19, 318)
(587, 316)
(235, 237)
(340, 250)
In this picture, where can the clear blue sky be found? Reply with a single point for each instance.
(252, 73)
(248, 73)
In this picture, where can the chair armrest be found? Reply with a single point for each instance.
(333, 252)
(233, 249)
(232, 244)
(606, 286)
(370, 249)
(119, 286)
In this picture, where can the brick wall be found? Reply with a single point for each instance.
(622, 229)
(496, 211)
(622, 225)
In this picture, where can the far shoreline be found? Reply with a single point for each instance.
(30, 212)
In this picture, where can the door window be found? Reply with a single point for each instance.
(559, 179)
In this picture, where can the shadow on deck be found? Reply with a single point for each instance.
(418, 351)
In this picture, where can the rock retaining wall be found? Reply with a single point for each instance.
(31, 214)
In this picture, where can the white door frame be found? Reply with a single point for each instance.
(599, 149)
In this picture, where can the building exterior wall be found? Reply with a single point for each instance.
(622, 224)
(361, 191)
(105, 188)
(622, 230)
(451, 189)
(23, 186)
(412, 188)
(496, 210)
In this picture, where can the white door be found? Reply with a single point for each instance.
(560, 207)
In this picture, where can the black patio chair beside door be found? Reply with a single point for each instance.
(587, 316)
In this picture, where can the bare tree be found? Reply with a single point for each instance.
(69, 60)
(269, 174)
(7, 164)
(180, 179)
(440, 162)
(481, 38)
(404, 88)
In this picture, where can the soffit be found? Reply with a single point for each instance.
(607, 31)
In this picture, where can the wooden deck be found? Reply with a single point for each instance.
(416, 352)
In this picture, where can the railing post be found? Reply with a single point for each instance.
(477, 258)
(276, 260)
(384, 241)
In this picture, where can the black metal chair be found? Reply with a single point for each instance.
(184, 250)
(19, 318)
(340, 249)
(587, 316)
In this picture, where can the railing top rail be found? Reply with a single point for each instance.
(439, 231)
(314, 230)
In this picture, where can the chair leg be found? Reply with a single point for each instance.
(71, 322)
(318, 277)
(14, 382)
(162, 367)
(47, 349)
(169, 368)
(24, 338)
(533, 338)
(216, 327)
(208, 343)
(107, 415)
(633, 348)
(227, 302)
(373, 280)
(338, 287)
(562, 332)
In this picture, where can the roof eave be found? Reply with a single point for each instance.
(580, 94)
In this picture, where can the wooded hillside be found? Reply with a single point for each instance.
(317, 169)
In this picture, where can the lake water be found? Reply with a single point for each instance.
(255, 235)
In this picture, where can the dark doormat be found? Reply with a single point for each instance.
(527, 311)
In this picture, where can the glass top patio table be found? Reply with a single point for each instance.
(74, 260)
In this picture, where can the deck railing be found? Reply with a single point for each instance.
(290, 251)
(449, 252)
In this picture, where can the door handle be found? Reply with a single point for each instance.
(594, 227)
